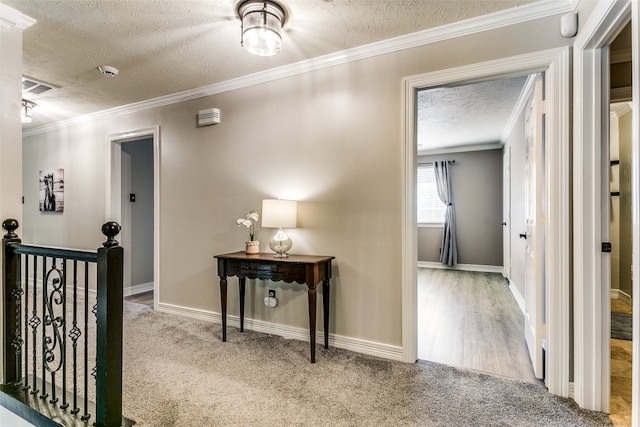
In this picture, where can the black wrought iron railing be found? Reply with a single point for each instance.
(63, 341)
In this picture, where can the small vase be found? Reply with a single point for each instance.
(252, 247)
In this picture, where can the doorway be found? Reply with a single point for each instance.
(137, 219)
(555, 63)
(133, 200)
(621, 260)
(621, 226)
(452, 304)
(592, 198)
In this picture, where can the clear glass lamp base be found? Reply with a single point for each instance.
(280, 244)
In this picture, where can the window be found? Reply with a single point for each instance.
(430, 208)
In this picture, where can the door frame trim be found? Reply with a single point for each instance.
(556, 65)
(635, 153)
(506, 208)
(591, 298)
(113, 173)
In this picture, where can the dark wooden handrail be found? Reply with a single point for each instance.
(52, 286)
(64, 253)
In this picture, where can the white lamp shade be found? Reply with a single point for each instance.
(279, 213)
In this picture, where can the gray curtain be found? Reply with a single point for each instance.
(449, 251)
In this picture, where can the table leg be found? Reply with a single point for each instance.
(312, 321)
(242, 289)
(325, 307)
(223, 304)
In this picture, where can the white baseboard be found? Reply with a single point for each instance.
(138, 289)
(517, 296)
(371, 348)
(572, 387)
(132, 290)
(79, 290)
(621, 295)
(462, 267)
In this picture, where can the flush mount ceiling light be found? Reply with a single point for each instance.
(27, 107)
(262, 21)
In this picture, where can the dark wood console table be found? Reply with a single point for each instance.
(295, 268)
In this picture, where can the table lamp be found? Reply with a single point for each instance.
(279, 214)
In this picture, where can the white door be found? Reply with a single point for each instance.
(125, 218)
(534, 211)
(506, 213)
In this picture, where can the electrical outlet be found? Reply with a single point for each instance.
(272, 293)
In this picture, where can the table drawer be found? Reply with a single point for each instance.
(268, 271)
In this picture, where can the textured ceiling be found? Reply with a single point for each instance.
(465, 115)
(165, 47)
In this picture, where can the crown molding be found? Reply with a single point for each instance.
(521, 103)
(9, 17)
(529, 12)
(462, 149)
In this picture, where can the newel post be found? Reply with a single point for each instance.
(11, 296)
(109, 332)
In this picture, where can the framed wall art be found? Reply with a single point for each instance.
(52, 190)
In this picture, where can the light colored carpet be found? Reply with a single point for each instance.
(177, 372)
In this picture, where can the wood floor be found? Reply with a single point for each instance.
(145, 298)
(621, 351)
(471, 320)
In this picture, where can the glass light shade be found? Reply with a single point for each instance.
(27, 108)
(262, 21)
(280, 214)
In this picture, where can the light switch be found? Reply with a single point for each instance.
(132, 197)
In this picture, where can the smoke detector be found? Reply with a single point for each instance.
(108, 70)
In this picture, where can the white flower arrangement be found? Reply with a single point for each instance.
(249, 221)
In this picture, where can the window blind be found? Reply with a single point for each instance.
(430, 208)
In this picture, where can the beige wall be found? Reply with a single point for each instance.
(338, 132)
(10, 140)
(82, 156)
(476, 178)
(10, 125)
(625, 203)
(614, 215)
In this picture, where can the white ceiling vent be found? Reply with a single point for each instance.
(208, 117)
(35, 87)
